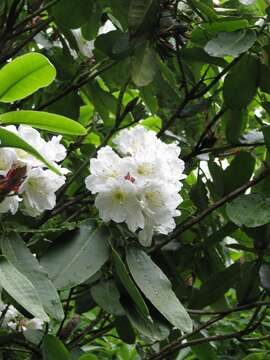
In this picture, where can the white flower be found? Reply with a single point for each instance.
(119, 202)
(7, 158)
(38, 190)
(33, 324)
(107, 166)
(247, 2)
(141, 188)
(130, 141)
(10, 203)
(40, 184)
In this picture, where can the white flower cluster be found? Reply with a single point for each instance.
(25, 179)
(15, 321)
(140, 187)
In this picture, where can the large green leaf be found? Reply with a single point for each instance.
(129, 285)
(107, 296)
(250, 210)
(15, 250)
(76, 257)
(141, 15)
(43, 120)
(54, 349)
(143, 65)
(240, 84)
(9, 139)
(216, 286)
(20, 289)
(157, 288)
(72, 14)
(265, 276)
(230, 43)
(25, 75)
(239, 172)
(152, 329)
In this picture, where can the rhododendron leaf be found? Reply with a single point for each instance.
(129, 285)
(157, 288)
(21, 257)
(73, 260)
(9, 139)
(53, 349)
(43, 120)
(25, 75)
(20, 289)
(250, 210)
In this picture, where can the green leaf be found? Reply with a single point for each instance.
(15, 250)
(9, 139)
(25, 75)
(264, 82)
(72, 260)
(257, 356)
(152, 329)
(265, 276)
(72, 14)
(43, 120)
(234, 125)
(54, 349)
(240, 84)
(239, 172)
(143, 65)
(20, 289)
(198, 55)
(157, 288)
(142, 15)
(266, 135)
(248, 286)
(228, 25)
(230, 43)
(128, 284)
(249, 210)
(216, 286)
(125, 330)
(106, 295)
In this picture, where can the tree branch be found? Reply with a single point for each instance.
(193, 220)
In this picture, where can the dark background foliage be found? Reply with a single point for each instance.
(196, 72)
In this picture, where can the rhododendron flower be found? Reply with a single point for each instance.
(140, 187)
(35, 190)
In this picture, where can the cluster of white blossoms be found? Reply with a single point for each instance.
(24, 179)
(14, 320)
(139, 184)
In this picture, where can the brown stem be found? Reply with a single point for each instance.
(193, 220)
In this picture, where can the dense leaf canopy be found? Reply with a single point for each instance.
(197, 73)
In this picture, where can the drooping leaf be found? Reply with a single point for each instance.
(72, 14)
(157, 288)
(25, 75)
(129, 285)
(239, 172)
(240, 84)
(265, 276)
(43, 120)
(15, 250)
(20, 289)
(152, 329)
(125, 330)
(216, 286)
(73, 260)
(9, 139)
(250, 210)
(231, 43)
(53, 349)
(143, 65)
(106, 295)
(142, 15)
